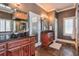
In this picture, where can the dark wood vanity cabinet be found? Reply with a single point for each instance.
(19, 51)
(22, 47)
(32, 45)
(14, 52)
(32, 49)
(2, 53)
(25, 50)
(2, 49)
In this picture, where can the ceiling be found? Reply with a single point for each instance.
(55, 6)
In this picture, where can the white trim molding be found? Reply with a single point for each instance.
(66, 9)
(42, 7)
(55, 9)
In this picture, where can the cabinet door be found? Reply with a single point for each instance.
(14, 52)
(32, 49)
(2, 49)
(25, 50)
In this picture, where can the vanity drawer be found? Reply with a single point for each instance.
(25, 41)
(2, 53)
(13, 44)
(17, 43)
(2, 47)
(32, 39)
(16, 51)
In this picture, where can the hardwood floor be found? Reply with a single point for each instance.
(66, 50)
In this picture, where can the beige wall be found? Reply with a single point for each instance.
(51, 18)
(5, 15)
(60, 18)
(26, 7)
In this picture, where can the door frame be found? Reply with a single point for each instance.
(31, 14)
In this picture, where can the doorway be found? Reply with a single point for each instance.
(35, 26)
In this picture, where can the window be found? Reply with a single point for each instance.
(8, 25)
(2, 25)
(5, 25)
(68, 26)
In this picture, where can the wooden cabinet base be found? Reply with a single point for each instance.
(3, 53)
(22, 47)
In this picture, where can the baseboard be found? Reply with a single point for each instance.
(66, 41)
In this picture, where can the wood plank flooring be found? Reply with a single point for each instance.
(66, 50)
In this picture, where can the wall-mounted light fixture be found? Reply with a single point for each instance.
(44, 16)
